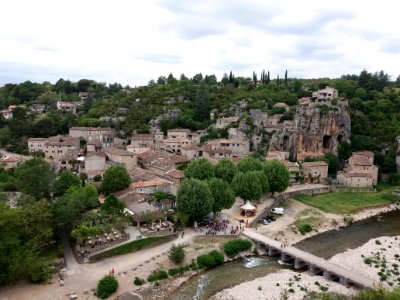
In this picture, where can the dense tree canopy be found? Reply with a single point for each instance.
(223, 195)
(115, 178)
(263, 179)
(34, 177)
(24, 231)
(247, 186)
(64, 182)
(249, 164)
(277, 174)
(199, 169)
(226, 170)
(194, 199)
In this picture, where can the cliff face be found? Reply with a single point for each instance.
(315, 130)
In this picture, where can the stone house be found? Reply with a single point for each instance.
(360, 171)
(53, 147)
(292, 167)
(38, 108)
(83, 96)
(237, 147)
(279, 155)
(328, 93)
(149, 187)
(178, 133)
(66, 106)
(224, 122)
(126, 158)
(315, 171)
(93, 134)
(95, 164)
(175, 144)
(141, 143)
(10, 161)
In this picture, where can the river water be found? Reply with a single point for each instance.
(327, 244)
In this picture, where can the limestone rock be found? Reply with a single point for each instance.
(315, 130)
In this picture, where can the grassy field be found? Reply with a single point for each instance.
(349, 202)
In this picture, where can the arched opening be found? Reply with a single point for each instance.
(326, 142)
(285, 143)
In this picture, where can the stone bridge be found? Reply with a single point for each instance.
(315, 265)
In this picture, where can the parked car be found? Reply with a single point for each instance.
(272, 218)
(205, 222)
(263, 221)
(278, 210)
(267, 219)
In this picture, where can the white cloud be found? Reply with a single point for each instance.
(134, 41)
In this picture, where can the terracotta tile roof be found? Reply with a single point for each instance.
(96, 154)
(315, 164)
(11, 158)
(178, 130)
(360, 160)
(364, 153)
(90, 128)
(156, 182)
(124, 192)
(175, 174)
(177, 140)
(117, 151)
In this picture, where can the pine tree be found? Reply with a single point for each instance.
(268, 78)
(277, 80)
(202, 105)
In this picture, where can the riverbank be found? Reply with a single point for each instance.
(284, 282)
(285, 230)
(378, 259)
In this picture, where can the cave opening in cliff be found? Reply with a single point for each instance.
(340, 138)
(326, 142)
(285, 144)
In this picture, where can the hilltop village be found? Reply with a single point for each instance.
(108, 182)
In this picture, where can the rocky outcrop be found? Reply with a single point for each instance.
(315, 130)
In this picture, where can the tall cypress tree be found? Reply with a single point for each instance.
(286, 78)
(202, 104)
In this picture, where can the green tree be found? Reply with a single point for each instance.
(112, 205)
(199, 169)
(64, 182)
(24, 231)
(277, 174)
(249, 164)
(194, 199)
(202, 104)
(263, 179)
(247, 186)
(82, 232)
(222, 193)
(34, 177)
(177, 254)
(333, 163)
(115, 178)
(226, 170)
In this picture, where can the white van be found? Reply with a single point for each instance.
(278, 210)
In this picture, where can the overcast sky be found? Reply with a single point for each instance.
(133, 41)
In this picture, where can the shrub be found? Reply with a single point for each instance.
(157, 275)
(138, 281)
(378, 242)
(41, 274)
(211, 259)
(97, 178)
(106, 286)
(177, 254)
(304, 228)
(233, 247)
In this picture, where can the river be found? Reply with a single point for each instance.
(327, 244)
